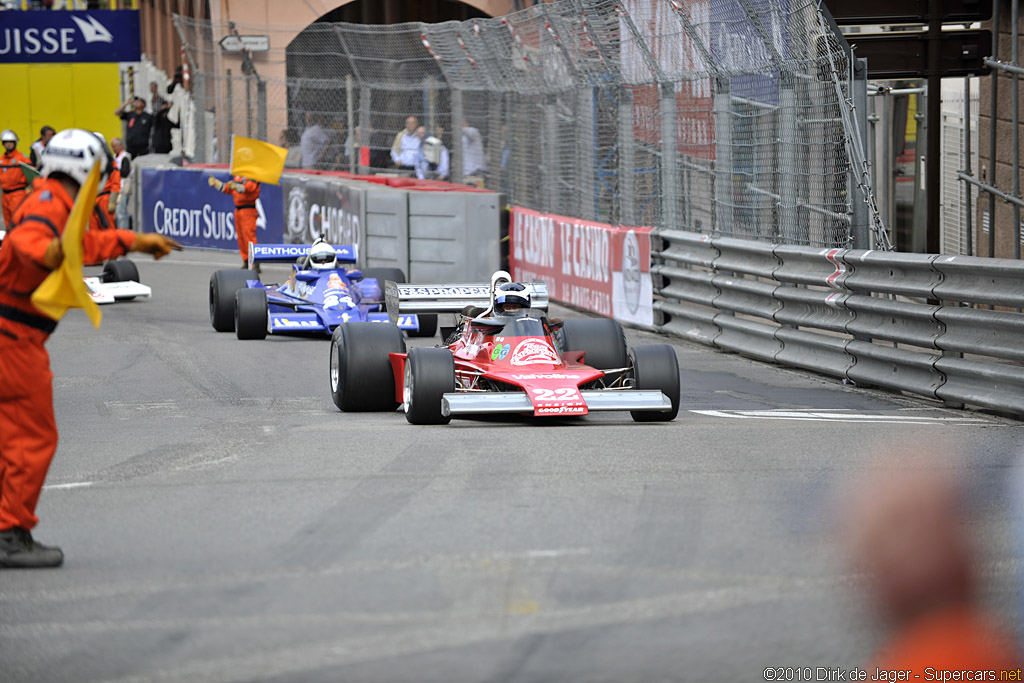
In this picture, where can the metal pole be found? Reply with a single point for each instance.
(968, 218)
(1015, 116)
(248, 106)
(860, 230)
(261, 109)
(669, 163)
(788, 164)
(888, 181)
(548, 174)
(627, 164)
(993, 113)
(199, 150)
(457, 166)
(933, 170)
(351, 123)
(585, 150)
(723, 158)
(365, 126)
(230, 103)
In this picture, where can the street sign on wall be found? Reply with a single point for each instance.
(250, 43)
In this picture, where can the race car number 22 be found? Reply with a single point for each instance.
(560, 394)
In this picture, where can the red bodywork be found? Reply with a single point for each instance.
(533, 363)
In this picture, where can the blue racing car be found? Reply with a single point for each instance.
(319, 295)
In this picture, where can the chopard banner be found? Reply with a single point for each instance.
(316, 207)
(594, 266)
(40, 36)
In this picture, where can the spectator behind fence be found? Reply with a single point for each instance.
(162, 125)
(156, 101)
(35, 154)
(314, 141)
(474, 161)
(908, 533)
(433, 162)
(140, 123)
(405, 149)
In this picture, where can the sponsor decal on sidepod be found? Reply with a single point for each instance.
(534, 352)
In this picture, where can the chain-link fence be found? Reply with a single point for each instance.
(718, 116)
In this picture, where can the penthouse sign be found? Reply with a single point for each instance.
(590, 265)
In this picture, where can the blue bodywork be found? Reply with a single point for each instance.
(317, 301)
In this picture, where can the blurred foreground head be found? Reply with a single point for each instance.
(906, 527)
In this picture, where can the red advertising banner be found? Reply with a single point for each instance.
(598, 267)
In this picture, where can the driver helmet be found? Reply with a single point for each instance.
(322, 256)
(511, 298)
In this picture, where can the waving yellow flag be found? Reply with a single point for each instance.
(64, 287)
(256, 159)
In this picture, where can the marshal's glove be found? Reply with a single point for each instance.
(237, 187)
(157, 245)
(216, 183)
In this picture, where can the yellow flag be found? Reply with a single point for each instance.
(256, 159)
(64, 287)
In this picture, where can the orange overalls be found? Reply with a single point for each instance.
(12, 182)
(28, 430)
(245, 212)
(103, 198)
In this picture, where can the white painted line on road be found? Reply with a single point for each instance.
(73, 485)
(557, 553)
(838, 416)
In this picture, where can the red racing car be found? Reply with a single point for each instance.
(504, 356)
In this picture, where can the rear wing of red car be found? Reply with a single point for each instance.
(403, 299)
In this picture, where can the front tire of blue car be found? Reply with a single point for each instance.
(361, 375)
(251, 313)
(429, 374)
(223, 285)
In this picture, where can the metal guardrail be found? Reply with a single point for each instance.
(908, 322)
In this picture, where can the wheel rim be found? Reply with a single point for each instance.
(335, 368)
(407, 386)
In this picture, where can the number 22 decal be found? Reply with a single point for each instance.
(561, 394)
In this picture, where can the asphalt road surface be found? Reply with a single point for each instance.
(223, 522)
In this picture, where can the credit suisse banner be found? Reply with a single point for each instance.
(598, 267)
(62, 36)
(180, 203)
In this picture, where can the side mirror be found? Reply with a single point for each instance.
(355, 275)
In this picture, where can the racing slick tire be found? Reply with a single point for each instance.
(361, 375)
(601, 338)
(251, 313)
(122, 270)
(429, 373)
(223, 285)
(655, 366)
